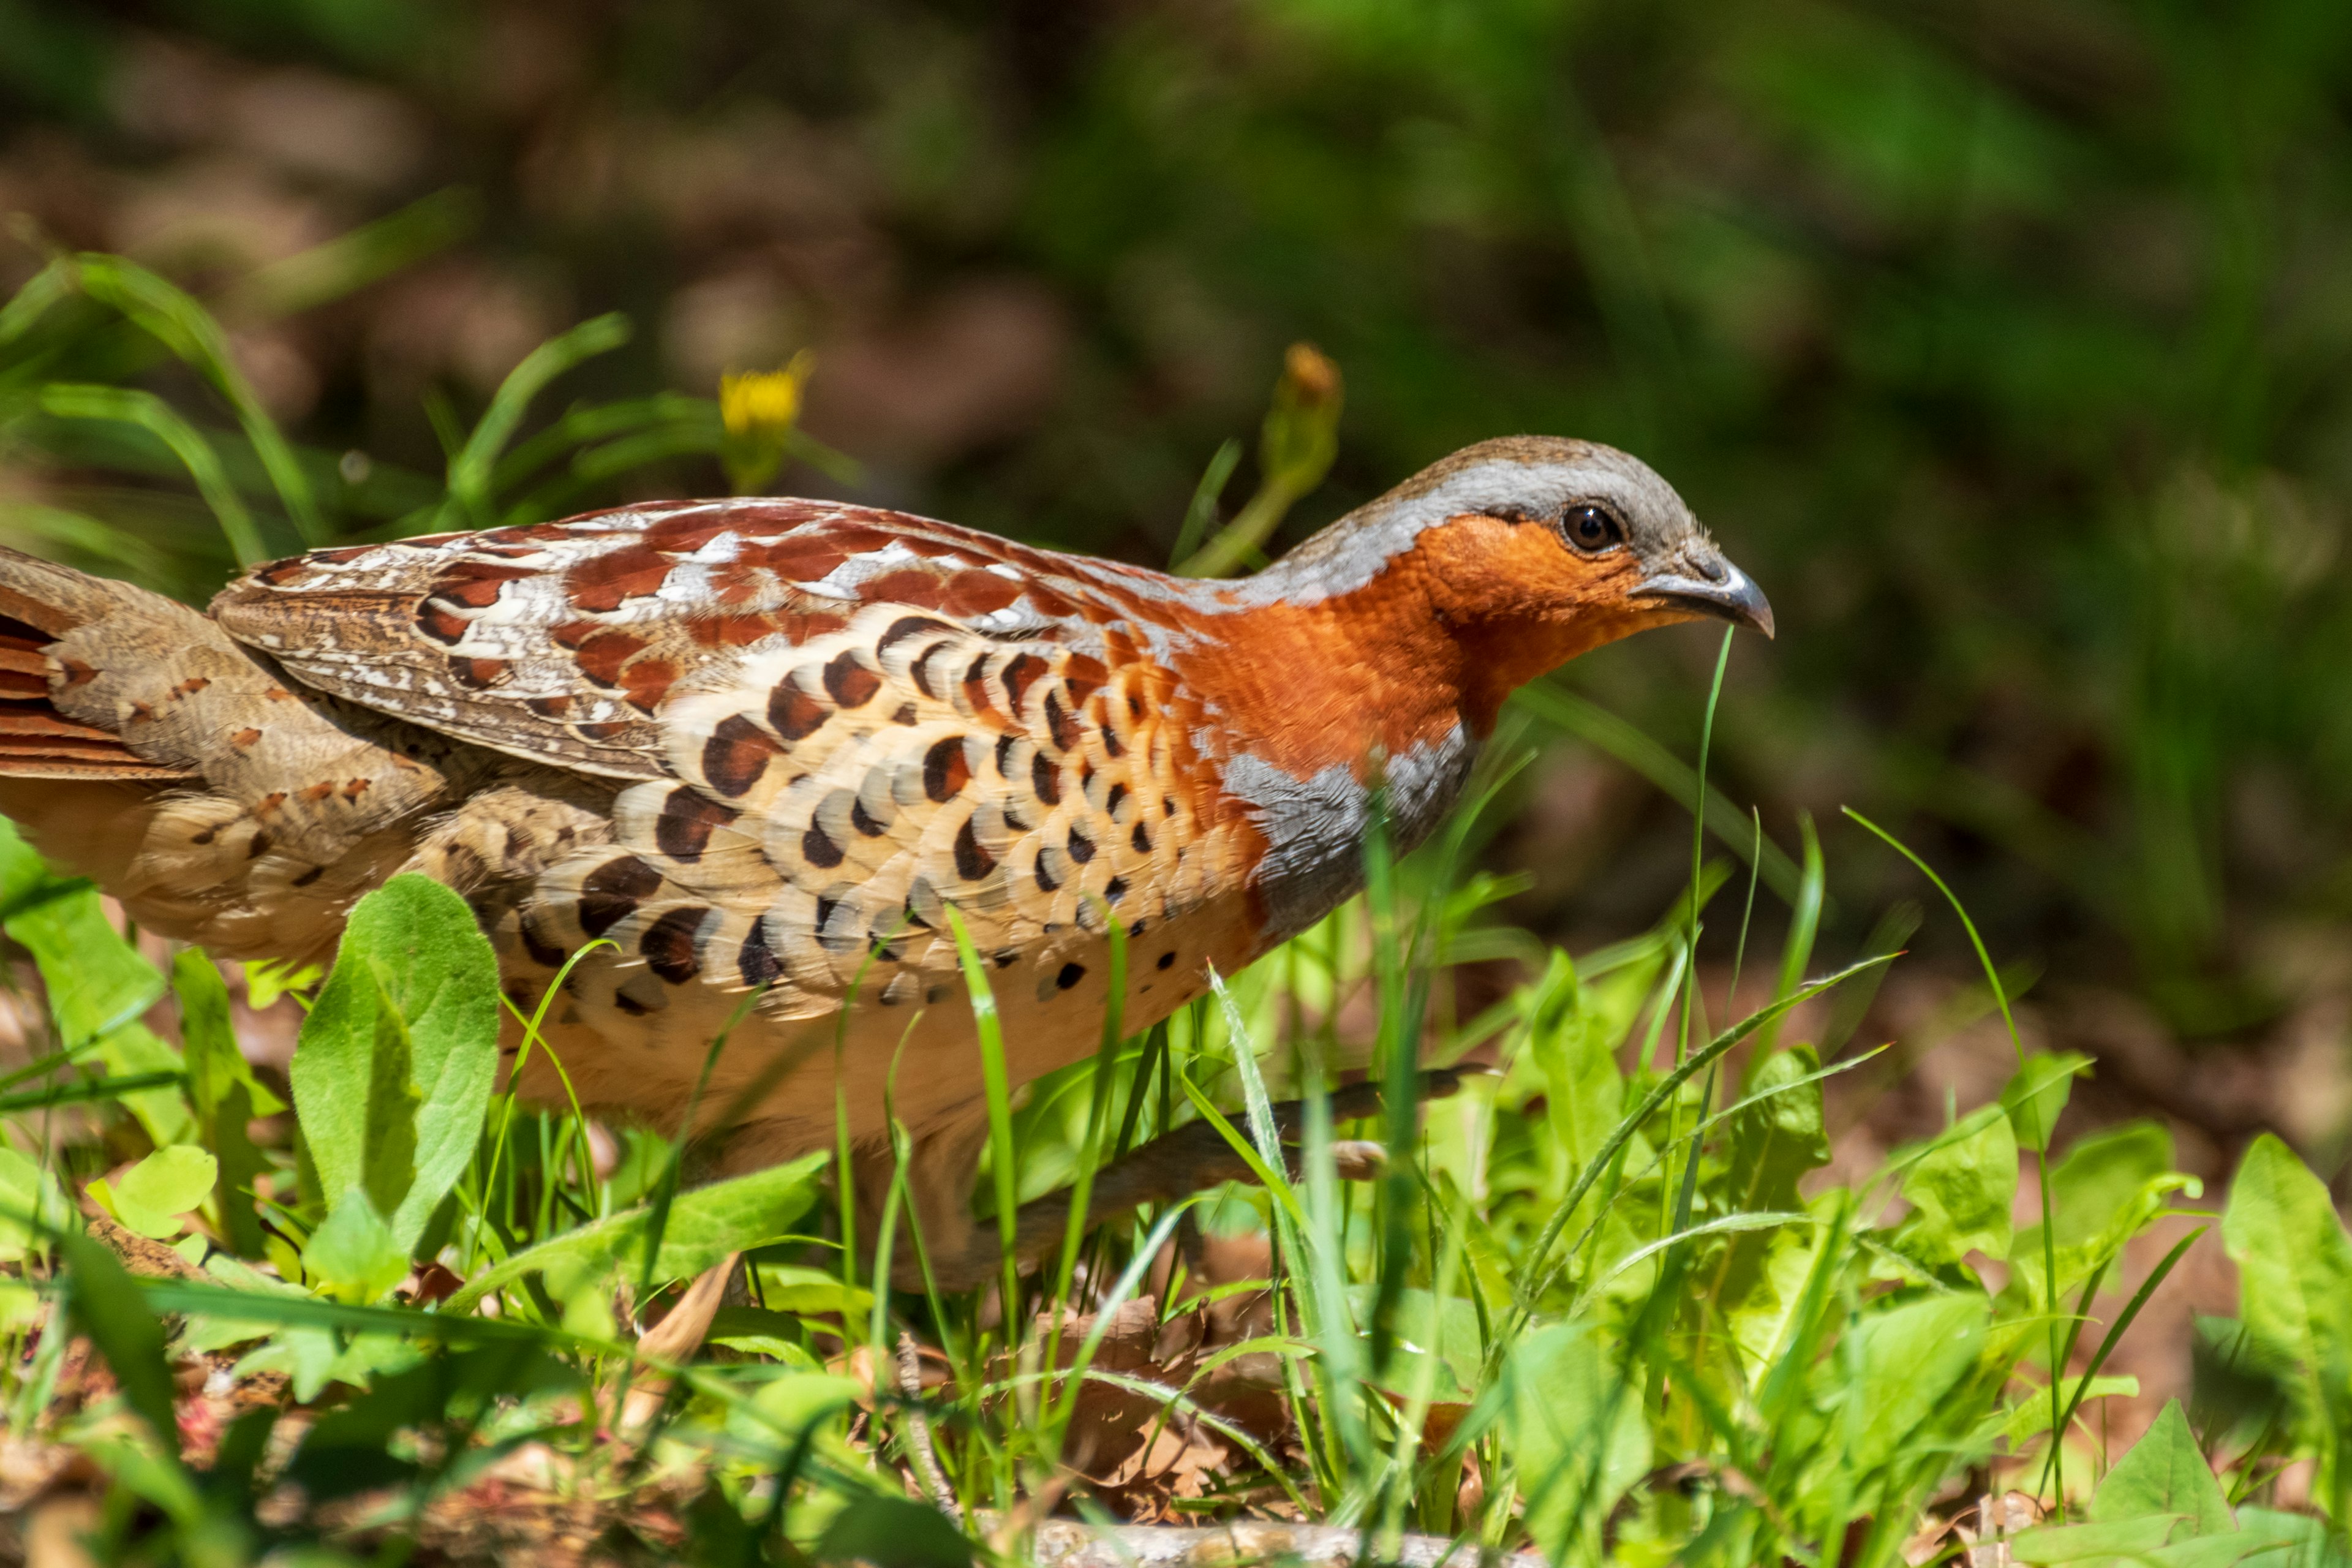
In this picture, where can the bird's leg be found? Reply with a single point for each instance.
(1197, 1155)
(963, 1253)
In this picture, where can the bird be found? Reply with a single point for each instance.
(745, 766)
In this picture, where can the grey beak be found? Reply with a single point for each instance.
(1733, 597)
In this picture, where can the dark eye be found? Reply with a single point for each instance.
(1593, 528)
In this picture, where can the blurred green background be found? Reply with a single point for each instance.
(2009, 342)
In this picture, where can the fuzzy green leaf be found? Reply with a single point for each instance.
(31, 1201)
(1911, 1359)
(354, 1252)
(154, 1194)
(1574, 1430)
(1961, 1192)
(2165, 1473)
(705, 1224)
(2294, 1284)
(2036, 1096)
(397, 1059)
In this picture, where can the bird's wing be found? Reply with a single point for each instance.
(562, 642)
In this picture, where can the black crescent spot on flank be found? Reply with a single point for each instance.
(796, 714)
(668, 944)
(973, 860)
(757, 960)
(1082, 849)
(688, 819)
(610, 894)
(907, 626)
(851, 683)
(737, 753)
(945, 771)
(818, 849)
(1070, 975)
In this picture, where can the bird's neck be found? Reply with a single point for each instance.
(1389, 657)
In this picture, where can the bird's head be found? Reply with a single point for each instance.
(1532, 549)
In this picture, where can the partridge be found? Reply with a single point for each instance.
(738, 761)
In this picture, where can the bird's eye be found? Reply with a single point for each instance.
(1593, 528)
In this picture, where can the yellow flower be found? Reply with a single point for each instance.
(763, 402)
(759, 409)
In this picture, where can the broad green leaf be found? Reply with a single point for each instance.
(2294, 1539)
(2165, 1473)
(1961, 1191)
(108, 1308)
(705, 1224)
(2294, 1286)
(153, 1195)
(97, 980)
(30, 1199)
(1424, 1326)
(135, 1050)
(1574, 1429)
(353, 1252)
(2030, 1416)
(892, 1532)
(2104, 1176)
(2133, 1541)
(811, 1292)
(1911, 1359)
(397, 1059)
(224, 1093)
(1776, 1138)
(2037, 1095)
(797, 1398)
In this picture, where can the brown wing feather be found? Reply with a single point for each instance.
(562, 642)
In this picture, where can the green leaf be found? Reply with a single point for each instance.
(2037, 1095)
(704, 1225)
(2293, 1540)
(393, 1073)
(2030, 1416)
(95, 979)
(2131, 1540)
(2294, 1286)
(2165, 1473)
(1961, 1191)
(1574, 1430)
(354, 1252)
(2107, 1176)
(225, 1093)
(1425, 1326)
(135, 1051)
(31, 1202)
(892, 1532)
(1911, 1359)
(154, 1194)
(106, 1306)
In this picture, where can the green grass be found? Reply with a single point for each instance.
(1608, 1284)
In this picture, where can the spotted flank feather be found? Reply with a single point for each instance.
(830, 800)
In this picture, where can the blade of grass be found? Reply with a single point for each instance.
(169, 315)
(472, 468)
(145, 411)
(1613, 736)
(2040, 1152)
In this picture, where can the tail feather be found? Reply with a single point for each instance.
(41, 602)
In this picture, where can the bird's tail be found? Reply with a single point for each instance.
(41, 603)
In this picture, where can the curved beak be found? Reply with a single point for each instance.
(1732, 596)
